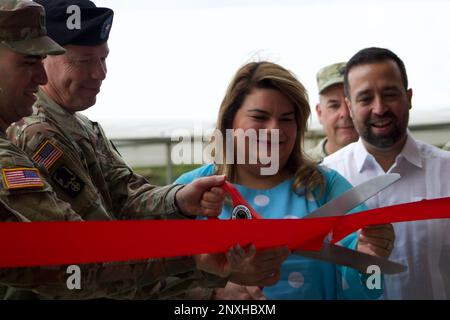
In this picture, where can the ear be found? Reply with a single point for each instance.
(409, 94)
(45, 60)
(49, 61)
(319, 112)
(349, 106)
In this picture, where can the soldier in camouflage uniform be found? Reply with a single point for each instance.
(85, 169)
(31, 198)
(332, 112)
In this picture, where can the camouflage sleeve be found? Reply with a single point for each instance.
(204, 291)
(24, 192)
(94, 179)
(35, 205)
(132, 280)
(132, 193)
(182, 287)
(65, 168)
(199, 293)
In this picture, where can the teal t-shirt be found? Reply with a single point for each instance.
(301, 277)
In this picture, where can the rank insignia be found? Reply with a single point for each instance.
(68, 181)
(47, 155)
(20, 178)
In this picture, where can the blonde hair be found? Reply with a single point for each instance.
(268, 75)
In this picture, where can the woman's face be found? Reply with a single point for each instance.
(271, 110)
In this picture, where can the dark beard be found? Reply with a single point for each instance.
(384, 141)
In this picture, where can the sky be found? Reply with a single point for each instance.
(171, 61)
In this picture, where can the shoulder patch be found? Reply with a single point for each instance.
(68, 181)
(20, 178)
(47, 154)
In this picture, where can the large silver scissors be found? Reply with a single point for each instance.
(339, 206)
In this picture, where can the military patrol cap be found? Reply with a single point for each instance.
(22, 28)
(95, 23)
(330, 75)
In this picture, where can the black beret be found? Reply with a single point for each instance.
(94, 27)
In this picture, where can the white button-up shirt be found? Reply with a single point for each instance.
(424, 246)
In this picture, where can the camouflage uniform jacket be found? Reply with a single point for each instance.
(318, 152)
(85, 169)
(141, 279)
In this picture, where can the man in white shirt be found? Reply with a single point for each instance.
(377, 94)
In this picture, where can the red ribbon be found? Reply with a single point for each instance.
(413, 211)
(238, 199)
(61, 243)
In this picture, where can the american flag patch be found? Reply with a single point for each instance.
(19, 178)
(47, 155)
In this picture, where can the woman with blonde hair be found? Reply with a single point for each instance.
(268, 106)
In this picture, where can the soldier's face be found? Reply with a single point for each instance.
(20, 77)
(335, 117)
(75, 78)
(379, 103)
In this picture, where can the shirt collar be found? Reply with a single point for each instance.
(361, 155)
(410, 153)
(52, 106)
(322, 147)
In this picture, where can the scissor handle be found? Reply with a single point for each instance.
(238, 199)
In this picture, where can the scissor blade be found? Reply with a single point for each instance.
(354, 259)
(354, 197)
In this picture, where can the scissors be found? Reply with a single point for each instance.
(337, 207)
